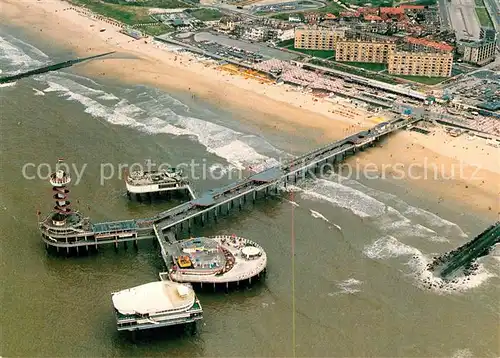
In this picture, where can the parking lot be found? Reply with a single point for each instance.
(477, 87)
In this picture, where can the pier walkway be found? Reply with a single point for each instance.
(216, 201)
(464, 256)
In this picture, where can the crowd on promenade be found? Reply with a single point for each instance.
(301, 77)
(488, 125)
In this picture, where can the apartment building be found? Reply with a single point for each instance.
(364, 50)
(479, 52)
(404, 61)
(318, 38)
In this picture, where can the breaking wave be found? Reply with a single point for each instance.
(388, 247)
(158, 114)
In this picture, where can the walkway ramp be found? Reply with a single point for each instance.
(464, 256)
(164, 240)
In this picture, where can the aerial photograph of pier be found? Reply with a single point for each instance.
(250, 178)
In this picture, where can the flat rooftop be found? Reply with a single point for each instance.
(126, 225)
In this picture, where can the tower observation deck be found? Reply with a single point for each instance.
(62, 209)
(63, 223)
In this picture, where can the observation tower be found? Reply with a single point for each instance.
(63, 226)
(62, 210)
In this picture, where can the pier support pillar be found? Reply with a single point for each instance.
(228, 207)
(125, 246)
(189, 226)
(135, 245)
(227, 287)
(239, 204)
(254, 194)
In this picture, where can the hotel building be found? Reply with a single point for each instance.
(410, 63)
(421, 57)
(364, 48)
(480, 52)
(318, 38)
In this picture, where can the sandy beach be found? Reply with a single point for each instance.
(269, 106)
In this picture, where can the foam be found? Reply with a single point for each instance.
(388, 247)
(8, 84)
(348, 286)
(462, 353)
(38, 92)
(109, 97)
(152, 116)
(448, 228)
(317, 215)
(356, 201)
(15, 56)
(293, 203)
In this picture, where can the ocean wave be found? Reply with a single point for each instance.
(16, 57)
(345, 197)
(445, 227)
(152, 116)
(388, 247)
(8, 84)
(348, 286)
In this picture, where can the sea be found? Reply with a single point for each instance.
(346, 256)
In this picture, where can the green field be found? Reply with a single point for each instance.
(128, 13)
(314, 53)
(484, 17)
(368, 66)
(165, 4)
(206, 14)
(374, 3)
(424, 80)
(479, 3)
(156, 30)
(339, 67)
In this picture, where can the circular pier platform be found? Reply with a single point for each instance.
(221, 259)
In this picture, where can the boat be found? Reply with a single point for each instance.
(139, 181)
(156, 304)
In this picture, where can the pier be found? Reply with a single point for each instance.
(464, 257)
(167, 226)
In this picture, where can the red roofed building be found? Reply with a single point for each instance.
(373, 18)
(392, 10)
(425, 44)
(412, 7)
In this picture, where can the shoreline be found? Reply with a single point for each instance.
(271, 107)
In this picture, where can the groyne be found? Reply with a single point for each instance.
(463, 258)
(49, 68)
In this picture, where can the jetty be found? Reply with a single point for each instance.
(71, 231)
(462, 258)
(49, 68)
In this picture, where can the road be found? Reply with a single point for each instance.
(443, 13)
(493, 7)
(464, 19)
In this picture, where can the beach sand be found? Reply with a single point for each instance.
(272, 107)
